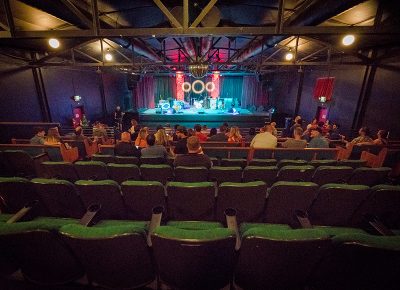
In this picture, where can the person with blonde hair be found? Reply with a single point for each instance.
(161, 137)
(125, 146)
(53, 136)
(141, 138)
(234, 135)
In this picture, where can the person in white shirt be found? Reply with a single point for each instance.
(264, 139)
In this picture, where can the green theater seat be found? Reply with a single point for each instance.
(156, 172)
(60, 170)
(191, 174)
(91, 170)
(123, 172)
(222, 174)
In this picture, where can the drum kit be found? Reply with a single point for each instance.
(198, 103)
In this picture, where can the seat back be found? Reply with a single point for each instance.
(104, 158)
(141, 197)
(335, 204)
(354, 163)
(123, 172)
(262, 162)
(262, 173)
(225, 174)
(190, 201)
(194, 259)
(127, 160)
(59, 197)
(332, 174)
(60, 170)
(248, 199)
(104, 192)
(152, 160)
(240, 162)
(20, 163)
(324, 162)
(295, 173)
(294, 154)
(294, 162)
(81, 148)
(156, 172)
(369, 176)
(191, 174)
(91, 170)
(114, 254)
(285, 197)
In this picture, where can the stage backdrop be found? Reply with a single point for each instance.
(245, 90)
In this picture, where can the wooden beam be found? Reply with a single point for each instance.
(175, 23)
(185, 14)
(95, 17)
(203, 13)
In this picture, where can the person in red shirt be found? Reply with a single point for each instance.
(201, 136)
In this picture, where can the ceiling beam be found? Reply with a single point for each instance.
(279, 21)
(9, 16)
(185, 14)
(203, 13)
(175, 23)
(95, 17)
(86, 21)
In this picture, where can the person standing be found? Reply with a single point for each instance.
(118, 114)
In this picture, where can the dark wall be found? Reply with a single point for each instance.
(116, 92)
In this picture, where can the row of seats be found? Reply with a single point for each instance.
(197, 255)
(97, 170)
(330, 204)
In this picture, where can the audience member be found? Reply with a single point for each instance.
(250, 135)
(191, 132)
(234, 135)
(296, 142)
(195, 156)
(38, 139)
(221, 136)
(53, 136)
(153, 149)
(125, 146)
(141, 138)
(202, 137)
(381, 138)
(135, 132)
(180, 147)
(99, 132)
(334, 133)
(134, 123)
(274, 130)
(264, 139)
(317, 141)
(213, 132)
(297, 124)
(363, 137)
(313, 124)
(161, 137)
(78, 136)
(174, 135)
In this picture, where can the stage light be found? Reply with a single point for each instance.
(108, 56)
(198, 70)
(186, 87)
(348, 40)
(194, 87)
(54, 43)
(210, 86)
(289, 56)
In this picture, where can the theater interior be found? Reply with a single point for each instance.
(91, 91)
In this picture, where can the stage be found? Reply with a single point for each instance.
(212, 118)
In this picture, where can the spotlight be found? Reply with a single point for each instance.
(348, 40)
(108, 56)
(289, 56)
(54, 43)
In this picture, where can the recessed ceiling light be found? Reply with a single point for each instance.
(54, 43)
(348, 40)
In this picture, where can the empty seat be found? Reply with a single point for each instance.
(104, 192)
(225, 174)
(295, 173)
(234, 162)
(263, 173)
(191, 174)
(141, 197)
(194, 259)
(279, 258)
(127, 160)
(152, 160)
(332, 174)
(294, 154)
(59, 197)
(20, 163)
(262, 162)
(91, 170)
(285, 162)
(195, 225)
(156, 172)
(355, 163)
(191, 200)
(335, 204)
(103, 158)
(248, 199)
(39, 252)
(114, 254)
(384, 202)
(326, 162)
(285, 197)
(123, 172)
(60, 170)
(369, 176)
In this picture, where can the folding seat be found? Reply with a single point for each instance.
(103, 158)
(22, 164)
(195, 225)
(191, 174)
(335, 204)
(60, 170)
(285, 197)
(59, 197)
(263, 173)
(194, 259)
(295, 173)
(383, 202)
(263, 162)
(38, 251)
(355, 163)
(123, 172)
(156, 172)
(170, 161)
(114, 254)
(152, 160)
(15, 193)
(91, 170)
(190, 200)
(360, 261)
(127, 160)
(141, 197)
(324, 162)
(263, 153)
(285, 162)
(215, 152)
(233, 162)
(5, 170)
(278, 258)
(225, 174)
(81, 148)
(248, 199)
(369, 176)
(104, 192)
(332, 174)
(239, 153)
(294, 154)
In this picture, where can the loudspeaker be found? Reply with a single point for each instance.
(158, 110)
(132, 80)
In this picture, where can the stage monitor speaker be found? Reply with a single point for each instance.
(158, 110)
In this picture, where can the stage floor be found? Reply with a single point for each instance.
(194, 111)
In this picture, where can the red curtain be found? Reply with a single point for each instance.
(324, 88)
(145, 92)
(253, 93)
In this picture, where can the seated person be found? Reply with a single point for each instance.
(195, 157)
(317, 141)
(221, 136)
(202, 137)
(125, 146)
(100, 132)
(153, 150)
(250, 136)
(234, 135)
(296, 142)
(334, 133)
(363, 137)
(274, 130)
(141, 138)
(161, 137)
(53, 136)
(38, 139)
(182, 135)
(264, 139)
(382, 138)
(213, 132)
